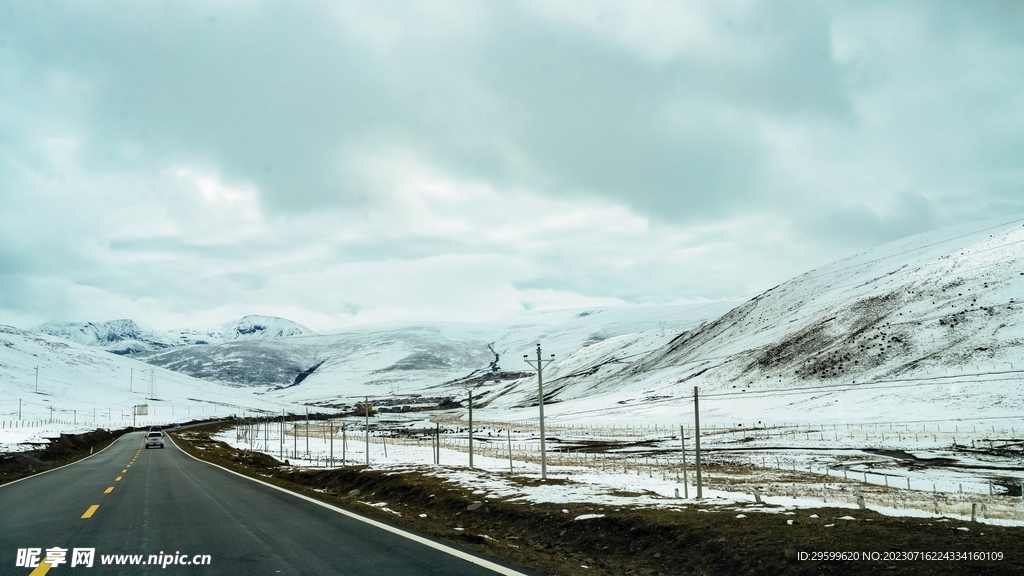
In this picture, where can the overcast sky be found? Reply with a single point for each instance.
(184, 163)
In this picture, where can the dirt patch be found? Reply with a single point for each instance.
(62, 450)
(699, 539)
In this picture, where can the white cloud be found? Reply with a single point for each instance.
(348, 163)
(659, 30)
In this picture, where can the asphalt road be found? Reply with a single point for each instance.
(164, 502)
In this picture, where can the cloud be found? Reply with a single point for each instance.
(861, 227)
(192, 160)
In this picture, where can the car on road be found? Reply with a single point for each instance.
(155, 439)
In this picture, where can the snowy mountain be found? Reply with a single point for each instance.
(433, 359)
(43, 377)
(114, 335)
(128, 338)
(251, 327)
(930, 324)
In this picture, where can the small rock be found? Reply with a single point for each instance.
(722, 539)
(353, 493)
(474, 506)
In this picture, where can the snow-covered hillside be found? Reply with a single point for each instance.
(251, 327)
(429, 359)
(91, 388)
(128, 338)
(113, 335)
(893, 332)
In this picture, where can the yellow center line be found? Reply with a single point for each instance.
(43, 568)
(90, 511)
(125, 471)
(108, 490)
(118, 479)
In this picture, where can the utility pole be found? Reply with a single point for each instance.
(307, 432)
(470, 428)
(696, 439)
(280, 450)
(19, 408)
(539, 366)
(37, 379)
(131, 377)
(366, 409)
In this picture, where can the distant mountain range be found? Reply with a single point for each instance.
(128, 338)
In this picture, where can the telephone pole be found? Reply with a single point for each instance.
(470, 427)
(366, 408)
(539, 367)
(37, 379)
(696, 439)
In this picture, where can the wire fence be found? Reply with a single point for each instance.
(796, 464)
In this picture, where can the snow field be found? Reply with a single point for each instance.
(637, 467)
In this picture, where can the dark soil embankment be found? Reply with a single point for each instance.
(63, 450)
(701, 539)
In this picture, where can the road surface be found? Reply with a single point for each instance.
(161, 507)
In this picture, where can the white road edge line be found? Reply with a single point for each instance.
(419, 539)
(66, 465)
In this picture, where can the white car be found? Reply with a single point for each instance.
(155, 439)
